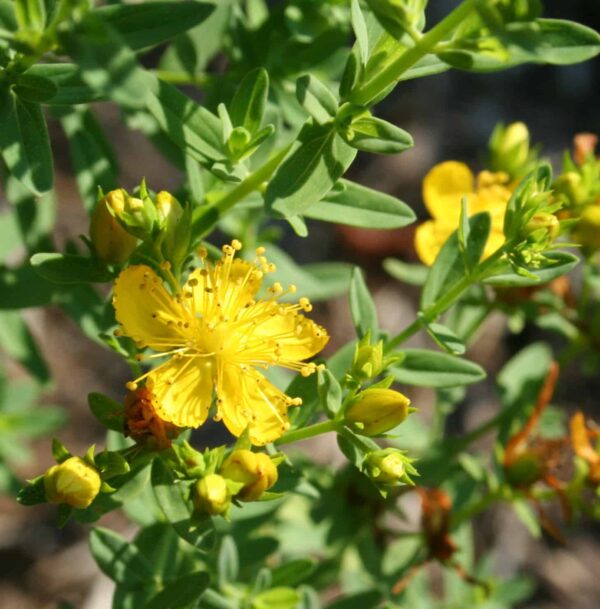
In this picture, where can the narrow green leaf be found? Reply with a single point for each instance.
(293, 572)
(92, 156)
(426, 368)
(250, 100)
(180, 593)
(359, 26)
(375, 135)
(451, 265)
(32, 88)
(413, 274)
(24, 142)
(107, 411)
(355, 205)
(317, 160)
(316, 98)
(71, 89)
(31, 14)
(69, 268)
(276, 598)
(119, 559)
(330, 392)
(445, 338)
(228, 562)
(147, 24)
(362, 307)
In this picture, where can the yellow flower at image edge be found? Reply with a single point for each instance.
(443, 190)
(217, 335)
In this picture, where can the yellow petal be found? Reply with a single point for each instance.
(247, 399)
(292, 335)
(146, 311)
(182, 390)
(443, 189)
(429, 238)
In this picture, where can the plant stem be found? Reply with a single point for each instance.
(447, 300)
(309, 432)
(388, 76)
(211, 213)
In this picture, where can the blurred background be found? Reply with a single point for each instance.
(451, 116)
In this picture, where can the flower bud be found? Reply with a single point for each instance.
(175, 227)
(524, 470)
(112, 243)
(211, 495)
(73, 482)
(397, 15)
(587, 230)
(376, 411)
(543, 226)
(571, 185)
(368, 360)
(169, 210)
(509, 149)
(255, 471)
(389, 466)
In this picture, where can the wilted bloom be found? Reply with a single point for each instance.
(377, 410)
(143, 424)
(216, 335)
(112, 243)
(256, 471)
(73, 482)
(389, 466)
(443, 190)
(211, 495)
(582, 445)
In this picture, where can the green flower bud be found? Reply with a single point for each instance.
(587, 230)
(542, 226)
(571, 186)
(510, 149)
(524, 470)
(256, 471)
(73, 482)
(175, 226)
(368, 360)
(112, 243)
(397, 16)
(211, 495)
(376, 411)
(389, 466)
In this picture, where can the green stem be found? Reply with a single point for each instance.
(447, 300)
(309, 432)
(212, 213)
(388, 76)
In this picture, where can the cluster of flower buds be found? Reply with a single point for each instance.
(121, 220)
(243, 476)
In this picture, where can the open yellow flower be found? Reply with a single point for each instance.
(217, 335)
(443, 189)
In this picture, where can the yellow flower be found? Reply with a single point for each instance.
(73, 482)
(211, 495)
(218, 335)
(255, 471)
(443, 189)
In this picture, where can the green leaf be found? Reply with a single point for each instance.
(355, 205)
(330, 392)
(317, 160)
(359, 26)
(31, 14)
(362, 307)
(451, 263)
(150, 23)
(373, 134)
(190, 126)
(119, 559)
(24, 142)
(228, 562)
(180, 593)
(413, 274)
(250, 100)
(107, 411)
(33, 88)
(293, 572)
(70, 87)
(276, 598)
(559, 263)
(92, 157)
(69, 268)
(528, 517)
(111, 464)
(171, 496)
(32, 493)
(361, 600)
(316, 98)
(108, 67)
(445, 338)
(425, 368)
